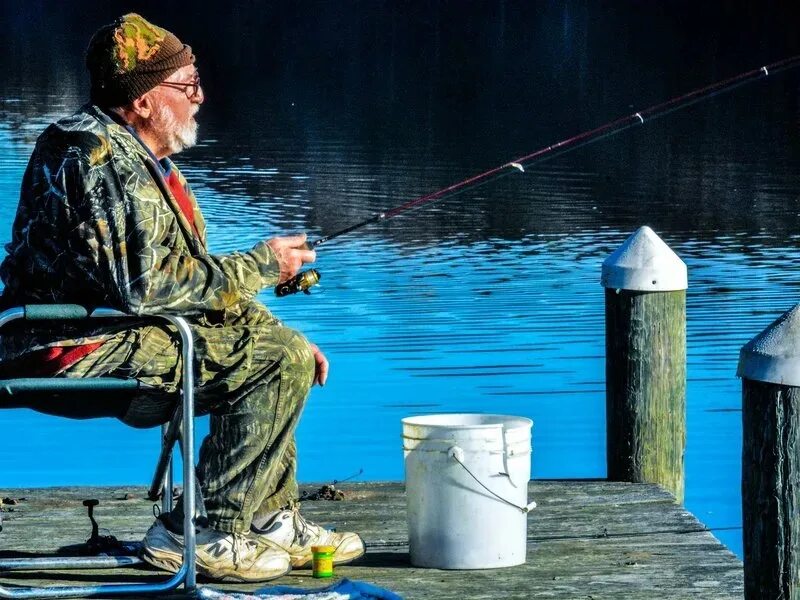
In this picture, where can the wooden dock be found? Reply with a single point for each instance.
(586, 539)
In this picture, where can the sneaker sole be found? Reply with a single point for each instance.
(160, 562)
(168, 563)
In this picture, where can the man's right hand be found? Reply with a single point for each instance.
(291, 252)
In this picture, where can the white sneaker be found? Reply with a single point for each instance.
(290, 530)
(219, 556)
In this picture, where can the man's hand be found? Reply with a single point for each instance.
(321, 369)
(291, 252)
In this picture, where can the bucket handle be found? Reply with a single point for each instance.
(457, 454)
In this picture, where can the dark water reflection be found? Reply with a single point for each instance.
(321, 114)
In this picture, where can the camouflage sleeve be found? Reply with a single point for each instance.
(127, 240)
(180, 283)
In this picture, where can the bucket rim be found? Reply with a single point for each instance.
(419, 421)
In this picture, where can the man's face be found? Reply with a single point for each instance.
(172, 121)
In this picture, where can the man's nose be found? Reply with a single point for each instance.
(200, 96)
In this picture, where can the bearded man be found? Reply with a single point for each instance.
(106, 219)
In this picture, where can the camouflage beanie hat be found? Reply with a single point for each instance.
(130, 57)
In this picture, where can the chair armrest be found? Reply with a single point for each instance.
(55, 312)
(64, 312)
(61, 312)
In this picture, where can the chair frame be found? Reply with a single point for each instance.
(186, 575)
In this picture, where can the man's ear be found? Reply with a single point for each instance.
(143, 106)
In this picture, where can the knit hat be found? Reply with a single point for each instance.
(130, 57)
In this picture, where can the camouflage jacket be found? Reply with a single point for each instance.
(97, 225)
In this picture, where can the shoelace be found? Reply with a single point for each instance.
(302, 528)
(240, 541)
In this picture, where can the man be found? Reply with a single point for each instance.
(106, 219)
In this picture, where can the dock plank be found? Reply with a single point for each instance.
(586, 539)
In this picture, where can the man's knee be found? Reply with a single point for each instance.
(232, 359)
(298, 363)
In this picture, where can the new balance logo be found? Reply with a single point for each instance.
(217, 549)
(303, 538)
(274, 526)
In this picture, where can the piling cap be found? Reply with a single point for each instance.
(644, 263)
(773, 356)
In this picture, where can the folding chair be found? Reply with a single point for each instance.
(183, 419)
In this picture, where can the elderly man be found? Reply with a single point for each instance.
(106, 218)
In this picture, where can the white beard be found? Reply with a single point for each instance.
(176, 136)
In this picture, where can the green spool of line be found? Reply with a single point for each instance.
(322, 561)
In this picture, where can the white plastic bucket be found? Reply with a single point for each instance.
(454, 522)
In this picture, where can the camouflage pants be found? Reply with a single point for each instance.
(252, 377)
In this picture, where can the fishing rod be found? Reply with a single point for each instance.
(303, 281)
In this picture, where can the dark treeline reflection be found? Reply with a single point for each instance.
(341, 109)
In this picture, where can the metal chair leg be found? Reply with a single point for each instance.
(170, 433)
(166, 478)
(161, 485)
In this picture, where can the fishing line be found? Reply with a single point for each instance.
(303, 281)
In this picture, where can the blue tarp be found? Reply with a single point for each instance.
(341, 590)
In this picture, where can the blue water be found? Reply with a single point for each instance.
(490, 302)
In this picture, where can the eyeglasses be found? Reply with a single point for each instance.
(191, 89)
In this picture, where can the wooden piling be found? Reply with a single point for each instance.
(770, 369)
(645, 300)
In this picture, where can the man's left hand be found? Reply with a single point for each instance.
(321, 369)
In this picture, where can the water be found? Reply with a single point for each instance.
(317, 118)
